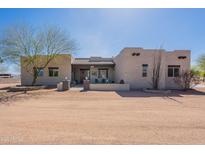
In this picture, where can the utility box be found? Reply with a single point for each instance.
(60, 86)
(86, 84)
(64, 85)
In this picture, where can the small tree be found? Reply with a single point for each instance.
(196, 71)
(32, 43)
(185, 79)
(156, 69)
(201, 62)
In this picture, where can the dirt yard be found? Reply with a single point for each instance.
(74, 117)
(8, 82)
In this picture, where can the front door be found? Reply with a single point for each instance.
(84, 74)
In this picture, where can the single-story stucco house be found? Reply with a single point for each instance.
(132, 65)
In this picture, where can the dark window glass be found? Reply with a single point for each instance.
(173, 70)
(53, 71)
(170, 72)
(176, 72)
(103, 73)
(182, 57)
(135, 54)
(50, 72)
(144, 70)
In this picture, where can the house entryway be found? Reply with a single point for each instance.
(94, 73)
(84, 74)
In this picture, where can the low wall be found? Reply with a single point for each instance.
(110, 87)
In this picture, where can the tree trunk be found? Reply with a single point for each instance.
(35, 75)
(34, 80)
(156, 71)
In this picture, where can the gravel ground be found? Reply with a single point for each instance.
(74, 117)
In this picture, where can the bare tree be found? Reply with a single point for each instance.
(32, 43)
(185, 79)
(156, 69)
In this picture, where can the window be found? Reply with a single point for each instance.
(53, 71)
(103, 73)
(173, 70)
(39, 71)
(144, 70)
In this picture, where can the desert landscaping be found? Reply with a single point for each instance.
(98, 117)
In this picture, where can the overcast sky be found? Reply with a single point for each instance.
(105, 32)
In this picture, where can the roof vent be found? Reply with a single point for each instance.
(135, 54)
(182, 57)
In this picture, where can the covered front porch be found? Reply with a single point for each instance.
(94, 73)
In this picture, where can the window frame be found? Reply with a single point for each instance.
(102, 69)
(173, 68)
(144, 70)
(54, 70)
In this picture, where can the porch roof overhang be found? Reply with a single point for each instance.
(90, 61)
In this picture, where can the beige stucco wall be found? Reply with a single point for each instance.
(172, 59)
(129, 68)
(63, 62)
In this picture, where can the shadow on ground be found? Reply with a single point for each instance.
(5, 88)
(7, 98)
(174, 93)
(170, 96)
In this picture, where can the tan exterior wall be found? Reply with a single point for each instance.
(63, 62)
(172, 59)
(129, 68)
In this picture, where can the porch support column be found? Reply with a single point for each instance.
(93, 74)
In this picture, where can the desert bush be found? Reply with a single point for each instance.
(185, 80)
